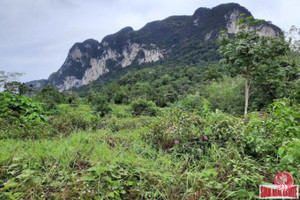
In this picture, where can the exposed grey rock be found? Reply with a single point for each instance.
(89, 60)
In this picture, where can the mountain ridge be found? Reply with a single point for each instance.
(87, 61)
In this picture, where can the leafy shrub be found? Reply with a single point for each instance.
(19, 109)
(99, 103)
(179, 129)
(285, 119)
(191, 102)
(21, 117)
(290, 157)
(238, 175)
(33, 129)
(121, 111)
(256, 141)
(266, 132)
(258, 135)
(143, 107)
(50, 97)
(115, 124)
(71, 119)
(117, 179)
(188, 133)
(226, 95)
(121, 97)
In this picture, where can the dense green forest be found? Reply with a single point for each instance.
(183, 130)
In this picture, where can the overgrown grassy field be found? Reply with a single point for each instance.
(176, 153)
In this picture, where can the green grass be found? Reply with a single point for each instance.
(122, 157)
(58, 167)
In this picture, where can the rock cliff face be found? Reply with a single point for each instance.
(89, 60)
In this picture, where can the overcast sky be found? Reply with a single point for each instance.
(36, 35)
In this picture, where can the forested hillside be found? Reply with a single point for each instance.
(184, 40)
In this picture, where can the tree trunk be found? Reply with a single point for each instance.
(246, 93)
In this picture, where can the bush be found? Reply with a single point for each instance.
(21, 117)
(187, 133)
(50, 97)
(99, 103)
(115, 124)
(117, 180)
(143, 107)
(226, 95)
(266, 132)
(290, 157)
(121, 97)
(121, 111)
(191, 102)
(31, 130)
(72, 119)
(19, 109)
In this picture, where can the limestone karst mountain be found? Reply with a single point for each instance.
(157, 41)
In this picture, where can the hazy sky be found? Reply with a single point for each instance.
(36, 35)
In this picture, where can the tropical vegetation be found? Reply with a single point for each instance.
(162, 132)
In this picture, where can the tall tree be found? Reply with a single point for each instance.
(6, 77)
(16, 87)
(248, 51)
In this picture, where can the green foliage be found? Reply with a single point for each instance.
(191, 102)
(34, 129)
(20, 117)
(266, 133)
(226, 94)
(178, 132)
(259, 59)
(187, 133)
(16, 88)
(218, 139)
(143, 107)
(19, 109)
(198, 148)
(99, 103)
(117, 179)
(290, 157)
(115, 124)
(276, 82)
(121, 97)
(217, 156)
(50, 97)
(10, 78)
(74, 119)
(286, 117)
(161, 84)
(248, 51)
